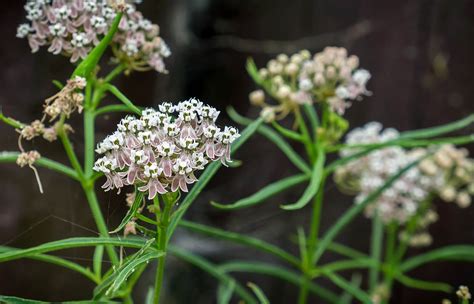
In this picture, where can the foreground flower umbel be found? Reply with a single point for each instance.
(161, 151)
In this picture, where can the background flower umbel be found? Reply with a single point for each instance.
(74, 27)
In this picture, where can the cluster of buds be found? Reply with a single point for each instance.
(330, 77)
(448, 167)
(66, 101)
(28, 159)
(463, 293)
(161, 151)
(74, 27)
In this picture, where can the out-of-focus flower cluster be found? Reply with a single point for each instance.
(74, 27)
(449, 174)
(161, 151)
(330, 77)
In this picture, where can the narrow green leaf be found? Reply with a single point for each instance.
(70, 243)
(86, 67)
(376, 242)
(56, 261)
(314, 184)
(119, 278)
(287, 133)
(313, 117)
(350, 214)
(241, 239)
(224, 292)
(424, 285)
(16, 300)
(10, 157)
(10, 121)
(344, 265)
(253, 71)
(275, 138)
(97, 260)
(58, 84)
(112, 108)
(354, 290)
(265, 193)
(279, 272)
(124, 99)
(131, 212)
(449, 253)
(346, 251)
(439, 130)
(346, 297)
(206, 176)
(258, 293)
(212, 270)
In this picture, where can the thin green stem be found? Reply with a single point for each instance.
(389, 255)
(111, 109)
(163, 222)
(116, 92)
(316, 219)
(114, 73)
(70, 151)
(99, 221)
(89, 143)
(375, 249)
(303, 292)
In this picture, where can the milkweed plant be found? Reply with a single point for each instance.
(164, 157)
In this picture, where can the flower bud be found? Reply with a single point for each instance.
(331, 72)
(282, 58)
(257, 98)
(448, 194)
(263, 73)
(463, 199)
(283, 92)
(291, 69)
(268, 114)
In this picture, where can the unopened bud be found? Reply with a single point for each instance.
(257, 98)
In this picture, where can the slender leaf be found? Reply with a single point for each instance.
(124, 99)
(313, 117)
(97, 260)
(449, 253)
(56, 261)
(314, 184)
(131, 212)
(212, 270)
(258, 293)
(352, 289)
(87, 66)
(10, 121)
(346, 251)
(424, 285)
(241, 239)
(350, 214)
(275, 138)
(376, 243)
(265, 193)
(439, 130)
(11, 157)
(113, 108)
(206, 176)
(253, 71)
(115, 281)
(16, 300)
(279, 272)
(70, 243)
(287, 133)
(346, 297)
(225, 292)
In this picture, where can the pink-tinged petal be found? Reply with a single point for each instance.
(160, 188)
(144, 188)
(152, 190)
(175, 184)
(183, 185)
(132, 175)
(210, 150)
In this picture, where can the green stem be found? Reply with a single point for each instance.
(375, 249)
(112, 108)
(163, 222)
(70, 152)
(315, 218)
(99, 220)
(89, 143)
(303, 293)
(114, 73)
(389, 257)
(116, 92)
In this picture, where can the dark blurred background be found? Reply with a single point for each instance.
(420, 54)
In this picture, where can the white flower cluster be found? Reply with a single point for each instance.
(448, 173)
(74, 27)
(330, 76)
(161, 151)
